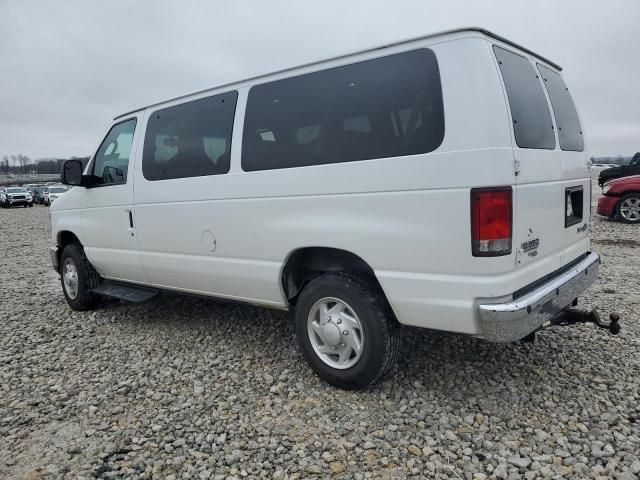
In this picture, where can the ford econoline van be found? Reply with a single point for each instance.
(440, 182)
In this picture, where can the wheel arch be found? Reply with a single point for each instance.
(304, 264)
(64, 238)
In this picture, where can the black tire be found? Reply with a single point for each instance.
(380, 329)
(88, 278)
(625, 198)
(30, 205)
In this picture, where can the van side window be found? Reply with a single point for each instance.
(386, 107)
(112, 158)
(564, 110)
(532, 122)
(190, 140)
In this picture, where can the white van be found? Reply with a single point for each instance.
(440, 182)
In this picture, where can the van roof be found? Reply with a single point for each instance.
(379, 47)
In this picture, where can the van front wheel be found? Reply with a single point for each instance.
(78, 277)
(346, 330)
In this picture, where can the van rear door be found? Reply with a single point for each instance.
(576, 175)
(552, 185)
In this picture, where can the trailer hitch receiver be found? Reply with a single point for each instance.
(572, 316)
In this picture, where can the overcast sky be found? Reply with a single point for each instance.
(68, 67)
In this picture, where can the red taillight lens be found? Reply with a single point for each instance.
(491, 215)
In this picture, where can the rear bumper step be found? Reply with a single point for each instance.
(128, 293)
(514, 320)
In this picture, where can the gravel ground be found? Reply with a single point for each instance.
(185, 387)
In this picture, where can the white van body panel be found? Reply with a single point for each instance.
(407, 217)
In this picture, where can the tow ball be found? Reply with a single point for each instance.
(572, 316)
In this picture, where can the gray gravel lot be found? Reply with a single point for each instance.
(185, 387)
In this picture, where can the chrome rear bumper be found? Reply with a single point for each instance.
(511, 321)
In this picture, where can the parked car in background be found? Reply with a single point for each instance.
(16, 197)
(621, 199)
(38, 194)
(54, 192)
(632, 168)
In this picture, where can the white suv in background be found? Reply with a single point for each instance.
(440, 182)
(53, 192)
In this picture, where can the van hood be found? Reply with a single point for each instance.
(66, 200)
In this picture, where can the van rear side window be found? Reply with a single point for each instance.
(532, 124)
(564, 110)
(386, 107)
(190, 140)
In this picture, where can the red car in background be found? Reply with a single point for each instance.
(621, 199)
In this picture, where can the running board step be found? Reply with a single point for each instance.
(128, 293)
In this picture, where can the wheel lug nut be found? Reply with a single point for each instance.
(346, 332)
(339, 321)
(342, 344)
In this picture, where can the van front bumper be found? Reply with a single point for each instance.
(514, 320)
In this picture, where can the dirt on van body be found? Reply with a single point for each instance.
(184, 387)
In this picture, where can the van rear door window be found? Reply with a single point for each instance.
(386, 107)
(190, 140)
(564, 110)
(532, 124)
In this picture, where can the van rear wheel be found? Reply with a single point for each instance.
(346, 330)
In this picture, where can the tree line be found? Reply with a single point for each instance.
(22, 165)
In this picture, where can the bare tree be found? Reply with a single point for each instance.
(5, 164)
(25, 162)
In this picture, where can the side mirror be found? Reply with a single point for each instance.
(72, 172)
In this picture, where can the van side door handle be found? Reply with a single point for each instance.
(131, 230)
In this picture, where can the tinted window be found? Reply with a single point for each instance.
(564, 110)
(532, 122)
(112, 159)
(190, 140)
(386, 107)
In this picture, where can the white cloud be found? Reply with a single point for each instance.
(69, 67)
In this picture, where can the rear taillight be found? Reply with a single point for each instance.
(491, 221)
